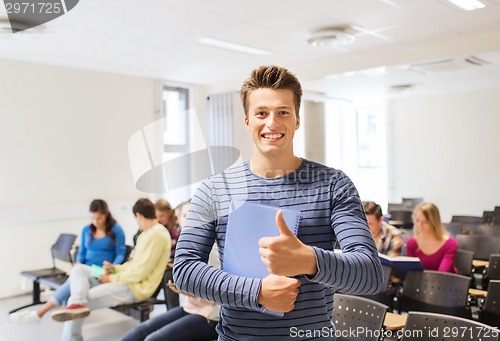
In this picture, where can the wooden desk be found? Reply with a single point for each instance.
(477, 292)
(394, 321)
(480, 263)
(396, 222)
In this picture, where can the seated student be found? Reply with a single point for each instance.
(133, 281)
(388, 238)
(431, 243)
(194, 320)
(166, 216)
(102, 240)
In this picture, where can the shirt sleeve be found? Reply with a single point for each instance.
(450, 252)
(193, 275)
(411, 247)
(82, 248)
(142, 264)
(395, 245)
(120, 248)
(357, 270)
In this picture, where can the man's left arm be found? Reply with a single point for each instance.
(357, 269)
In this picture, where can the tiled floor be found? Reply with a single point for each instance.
(101, 325)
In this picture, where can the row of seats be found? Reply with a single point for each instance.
(358, 318)
(53, 277)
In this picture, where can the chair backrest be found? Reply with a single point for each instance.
(128, 252)
(431, 291)
(489, 312)
(412, 202)
(486, 230)
(430, 326)
(162, 286)
(488, 217)
(482, 246)
(463, 262)
(493, 270)
(61, 249)
(402, 215)
(466, 219)
(353, 312)
(453, 228)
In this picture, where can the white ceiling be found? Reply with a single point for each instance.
(158, 39)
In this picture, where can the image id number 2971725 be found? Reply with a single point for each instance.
(33, 7)
(472, 332)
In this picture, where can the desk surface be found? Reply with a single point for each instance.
(394, 321)
(477, 292)
(396, 222)
(480, 263)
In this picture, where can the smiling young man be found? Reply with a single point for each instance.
(305, 272)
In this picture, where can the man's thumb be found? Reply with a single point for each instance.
(284, 230)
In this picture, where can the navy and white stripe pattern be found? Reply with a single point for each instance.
(332, 212)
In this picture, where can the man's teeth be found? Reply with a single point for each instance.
(273, 136)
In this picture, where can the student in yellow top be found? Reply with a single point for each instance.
(130, 282)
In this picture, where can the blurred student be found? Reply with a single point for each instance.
(133, 281)
(102, 240)
(195, 320)
(389, 239)
(431, 243)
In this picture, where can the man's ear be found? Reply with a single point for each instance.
(297, 125)
(246, 122)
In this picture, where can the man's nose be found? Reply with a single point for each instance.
(272, 121)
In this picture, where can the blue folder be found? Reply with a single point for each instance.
(247, 223)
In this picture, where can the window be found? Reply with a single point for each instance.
(176, 133)
(355, 143)
(372, 154)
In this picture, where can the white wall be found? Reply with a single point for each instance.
(63, 142)
(446, 149)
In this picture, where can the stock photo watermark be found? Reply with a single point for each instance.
(362, 333)
(26, 14)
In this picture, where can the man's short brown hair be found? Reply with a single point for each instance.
(271, 77)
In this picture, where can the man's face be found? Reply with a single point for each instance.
(374, 224)
(272, 121)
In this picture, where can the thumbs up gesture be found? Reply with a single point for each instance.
(285, 254)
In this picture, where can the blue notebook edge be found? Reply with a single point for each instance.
(259, 211)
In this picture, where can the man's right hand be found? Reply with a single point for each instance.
(278, 293)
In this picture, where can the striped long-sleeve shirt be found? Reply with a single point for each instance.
(331, 212)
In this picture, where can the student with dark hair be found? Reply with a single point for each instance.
(305, 272)
(130, 282)
(102, 240)
(389, 239)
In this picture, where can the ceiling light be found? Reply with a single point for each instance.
(467, 5)
(332, 36)
(233, 47)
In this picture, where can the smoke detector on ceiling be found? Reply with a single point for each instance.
(401, 88)
(332, 36)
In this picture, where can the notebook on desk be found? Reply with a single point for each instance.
(247, 223)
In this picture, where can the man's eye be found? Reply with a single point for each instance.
(284, 113)
(260, 113)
